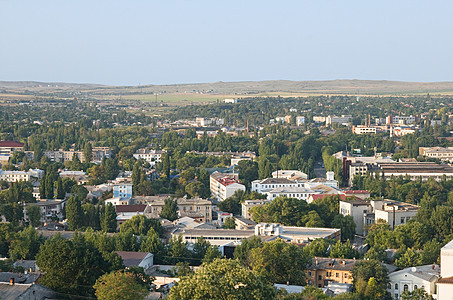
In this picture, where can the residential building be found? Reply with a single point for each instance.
(415, 170)
(216, 237)
(51, 210)
(98, 153)
(15, 176)
(402, 130)
(356, 209)
(344, 119)
(360, 194)
(244, 224)
(319, 119)
(248, 204)
(298, 235)
(236, 157)
(264, 185)
(323, 271)
(445, 284)
(411, 279)
(361, 129)
(78, 176)
(136, 259)
(441, 153)
(223, 186)
(126, 212)
(402, 120)
(118, 201)
(230, 101)
(300, 193)
(149, 155)
(122, 190)
(300, 121)
(9, 147)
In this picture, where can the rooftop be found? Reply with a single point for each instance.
(131, 258)
(10, 144)
(427, 272)
(130, 208)
(324, 263)
(276, 181)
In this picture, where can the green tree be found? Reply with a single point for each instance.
(211, 254)
(366, 269)
(222, 279)
(280, 262)
(74, 213)
(119, 285)
(410, 258)
(108, 218)
(195, 189)
(229, 223)
(88, 152)
(169, 210)
(346, 224)
(59, 192)
(152, 244)
(140, 225)
(242, 251)
(343, 250)
(34, 215)
(25, 244)
(418, 294)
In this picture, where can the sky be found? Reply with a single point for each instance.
(167, 42)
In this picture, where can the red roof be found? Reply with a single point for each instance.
(356, 192)
(130, 208)
(227, 181)
(11, 144)
(447, 280)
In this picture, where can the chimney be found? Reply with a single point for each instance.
(11, 281)
(433, 267)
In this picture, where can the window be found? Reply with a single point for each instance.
(309, 273)
(406, 287)
(389, 286)
(337, 275)
(396, 286)
(415, 287)
(402, 220)
(319, 277)
(346, 275)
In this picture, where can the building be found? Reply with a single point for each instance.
(216, 237)
(290, 174)
(402, 131)
(415, 170)
(9, 147)
(223, 186)
(300, 193)
(126, 212)
(356, 209)
(230, 101)
(323, 271)
(344, 120)
(300, 121)
(149, 155)
(78, 176)
(402, 120)
(244, 224)
(319, 119)
(297, 235)
(264, 185)
(15, 176)
(248, 204)
(136, 259)
(122, 190)
(236, 157)
(51, 210)
(441, 153)
(410, 279)
(186, 207)
(360, 194)
(361, 129)
(445, 284)
(98, 153)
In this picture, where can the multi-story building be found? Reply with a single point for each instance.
(357, 209)
(415, 170)
(51, 210)
(264, 185)
(361, 129)
(98, 153)
(122, 190)
(441, 153)
(126, 212)
(223, 186)
(411, 279)
(15, 176)
(323, 271)
(445, 284)
(294, 175)
(300, 193)
(248, 204)
(149, 155)
(402, 120)
(344, 119)
(9, 147)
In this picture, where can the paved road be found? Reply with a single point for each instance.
(320, 170)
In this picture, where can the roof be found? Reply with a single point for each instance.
(447, 280)
(276, 181)
(356, 202)
(353, 192)
(322, 196)
(130, 208)
(19, 277)
(227, 181)
(427, 272)
(246, 221)
(10, 144)
(324, 263)
(131, 258)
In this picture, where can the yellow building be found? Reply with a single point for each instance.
(324, 270)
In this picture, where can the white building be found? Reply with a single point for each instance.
(344, 119)
(442, 153)
(357, 209)
(403, 120)
(296, 235)
(361, 129)
(300, 193)
(410, 279)
(289, 174)
(445, 284)
(136, 259)
(268, 184)
(223, 186)
(149, 155)
(230, 101)
(300, 121)
(15, 176)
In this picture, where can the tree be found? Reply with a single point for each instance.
(222, 279)
(25, 244)
(34, 215)
(343, 250)
(152, 244)
(232, 204)
(88, 152)
(140, 225)
(229, 223)
(366, 269)
(74, 213)
(108, 218)
(242, 251)
(417, 294)
(70, 266)
(200, 247)
(119, 285)
(211, 253)
(194, 189)
(177, 249)
(410, 258)
(280, 262)
(318, 247)
(169, 210)
(346, 224)
(59, 193)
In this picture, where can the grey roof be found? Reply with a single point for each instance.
(217, 232)
(427, 272)
(246, 221)
(276, 181)
(131, 258)
(19, 277)
(324, 263)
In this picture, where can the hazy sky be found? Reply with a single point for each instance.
(155, 42)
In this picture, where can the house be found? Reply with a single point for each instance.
(445, 283)
(264, 185)
(126, 212)
(78, 176)
(122, 190)
(136, 259)
(223, 186)
(323, 271)
(23, 286)
(410, 279)
(149, 155)
(51, 210)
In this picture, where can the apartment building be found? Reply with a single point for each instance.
(248, 204)
(9, 147)
(411, 279)
(323, 271)
(403, 120)
(15, 176)
(223, 186)
(442, 153)
(149, 155)
(343, 119)
(122, 190)
(361, 129)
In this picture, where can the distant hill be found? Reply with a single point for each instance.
(247, 87)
